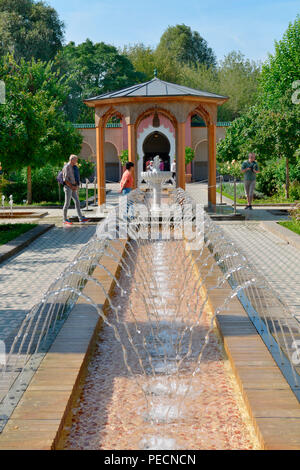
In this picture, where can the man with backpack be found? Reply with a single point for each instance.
(71, 184)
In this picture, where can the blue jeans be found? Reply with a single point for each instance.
(69, 194)
(126, 191)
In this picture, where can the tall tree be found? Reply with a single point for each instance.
(33, 128)
(282, 68)
(142, 58)
(30, 29)
(93, 69)
(185, 46)
(235, 77)
(238, 79)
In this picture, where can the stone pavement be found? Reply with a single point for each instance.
(274, 258)
(25, 277)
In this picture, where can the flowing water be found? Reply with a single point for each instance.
(163, 381)
(159, 378)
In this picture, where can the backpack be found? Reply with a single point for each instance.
(60, 178)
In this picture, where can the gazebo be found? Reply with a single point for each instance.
(177, 103)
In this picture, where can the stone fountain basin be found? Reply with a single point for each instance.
(21, 215)
(159, 177)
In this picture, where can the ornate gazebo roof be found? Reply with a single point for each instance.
(156, 88)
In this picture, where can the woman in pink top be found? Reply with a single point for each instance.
(126, 183)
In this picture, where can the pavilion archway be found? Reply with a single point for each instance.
(112, 163)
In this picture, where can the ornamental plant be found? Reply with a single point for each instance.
(124, 157)
(189, 155)
(232, 168)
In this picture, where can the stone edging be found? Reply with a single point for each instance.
(40, 419)
(282, 232)
(16, 245)
(271, 404)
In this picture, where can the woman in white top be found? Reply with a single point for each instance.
(173, 169)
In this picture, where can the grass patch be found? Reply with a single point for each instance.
(9, 232)
(291, 225)
(267, 200)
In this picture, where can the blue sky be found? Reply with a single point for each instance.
(250, 26)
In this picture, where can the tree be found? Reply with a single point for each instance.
(281, 69)
(142, 58)
(238, 79)
(33, 128)
(272, 134)
(29, 29)
(279, 73)
(93, 69)
(235, 77)
(185, 46)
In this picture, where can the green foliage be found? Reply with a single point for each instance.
(228, 190)
(272, 178)
(10, 231)
(86, 169)
(238, 79)
(232, 168)
(124, 157)
(142, 58)
(30, 29)
(93, 69)
(185, 46)
(235, 76)
(189, 155)
(44, 185)
(293, 224)
(33, 128)
(267, 179)
(281, 69)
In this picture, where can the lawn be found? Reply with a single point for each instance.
(10, 231)
(228, 192)
(291, 225)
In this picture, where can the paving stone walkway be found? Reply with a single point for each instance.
(25, 277)
(273, 257)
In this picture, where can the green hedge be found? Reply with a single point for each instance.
(44, 183)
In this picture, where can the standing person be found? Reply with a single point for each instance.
(173, 169)
(250, 169)
(71, 187)
(126, 183)
(161, 165)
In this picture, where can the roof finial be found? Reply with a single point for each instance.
(155, 73)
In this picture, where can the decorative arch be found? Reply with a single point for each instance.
(204, 114)
(141, 139)
(110, 152)
(200, 162)
(112, 162)
(200, 142)
(102, 117)
(86, 151)
(152, 110)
